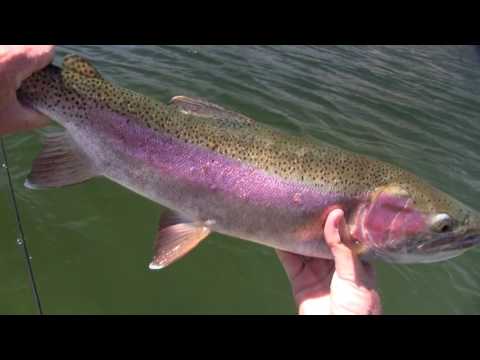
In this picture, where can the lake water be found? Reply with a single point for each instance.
(415, 106)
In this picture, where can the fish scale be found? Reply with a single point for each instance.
(213, 166)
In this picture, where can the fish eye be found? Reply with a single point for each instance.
(442, 223)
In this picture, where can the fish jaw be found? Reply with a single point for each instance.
(388, 226)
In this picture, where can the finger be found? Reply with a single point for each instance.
(17, 118)
(37, 57)
(23, 60)
(347, 264)
(43, 55)
(12, 49)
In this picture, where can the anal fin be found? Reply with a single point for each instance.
(60, 163)
(175, 238)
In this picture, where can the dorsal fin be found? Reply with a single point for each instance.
(81, 66)
(202, 108)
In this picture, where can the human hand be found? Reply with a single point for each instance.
(18, 62)
(345, 285)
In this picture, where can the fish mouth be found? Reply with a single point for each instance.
(428, 250)
(450, 243)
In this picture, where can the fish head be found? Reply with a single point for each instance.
(413, 223)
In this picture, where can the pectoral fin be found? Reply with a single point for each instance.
(175, 238)
(202, 108)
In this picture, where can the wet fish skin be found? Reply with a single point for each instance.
(228, 173)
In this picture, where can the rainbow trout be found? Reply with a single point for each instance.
(220, 171)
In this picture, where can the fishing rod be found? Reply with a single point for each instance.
(20, 234)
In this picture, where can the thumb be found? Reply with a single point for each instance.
(29, 59)
(40, 56)
(347, 264)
